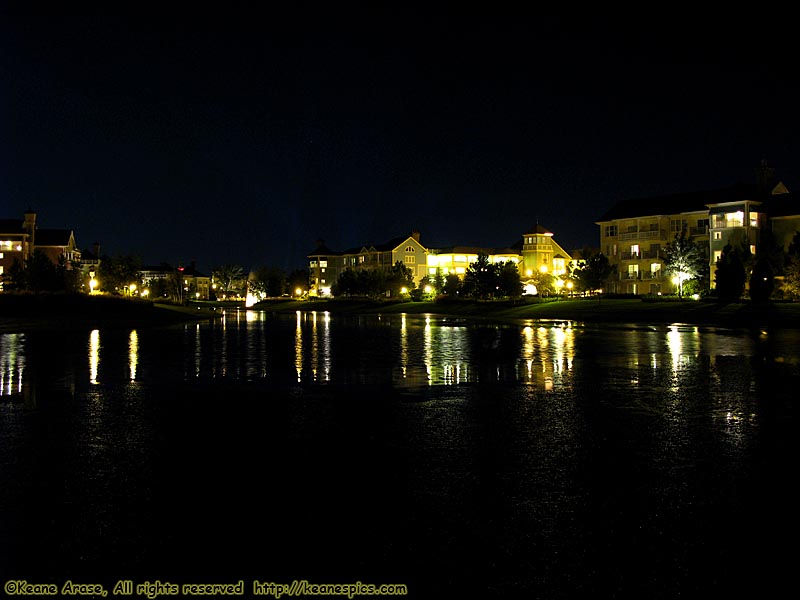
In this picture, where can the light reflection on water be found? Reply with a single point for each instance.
(412, 351)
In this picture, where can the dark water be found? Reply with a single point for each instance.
(555, 460)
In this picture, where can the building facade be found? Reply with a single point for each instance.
(325, 265)
(634, 233)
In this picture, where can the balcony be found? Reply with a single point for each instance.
(629, 276)
(722, 224)
(643, 235)
(653, 275)
(698, 231)
(651, 254)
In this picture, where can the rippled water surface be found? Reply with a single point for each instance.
(556, 459)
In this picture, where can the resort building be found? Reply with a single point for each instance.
(634, 232)
(536, 252)
(325, 265)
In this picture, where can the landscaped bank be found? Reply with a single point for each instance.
(606, 310)
(25, 312)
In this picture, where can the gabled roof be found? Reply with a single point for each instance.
(681, 203)
(53, 237)
(473, 250)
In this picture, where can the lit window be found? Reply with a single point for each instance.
(410, 249)
(753, 219)
(717, 255)
(460, 270)
(409, 260)
(752, 249)
(323, 263)
(717, 235)
(635, 250)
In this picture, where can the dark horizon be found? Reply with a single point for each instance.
(245, 143)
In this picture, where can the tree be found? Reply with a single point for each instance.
(298, 280)
(791, 280)
(594, 273)
(452, 285)
(762, 281)
(508, 280)
(117, 273)
(229, 279)
(480, 280)
(684, 259)
(730, 276)
(400, 277)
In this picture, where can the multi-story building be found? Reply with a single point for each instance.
(536, 251)
(19, 238)
(634, 232)
(325, 265)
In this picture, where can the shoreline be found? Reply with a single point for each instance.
(53, 313)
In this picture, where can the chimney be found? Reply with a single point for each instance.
(415, 235)
(96, 247)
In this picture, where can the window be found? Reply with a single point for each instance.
(702, 223)
(717, 255)
(677, 225)
(409, 260)
(717, 235)
(611, 230)
(753, 219)
(635, 250)
(752, 249)
(633, 271)
(655, 268)
(361, 260)
(323, 262)
(410, 249)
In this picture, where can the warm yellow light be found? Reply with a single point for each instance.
(403, 290)
(92, 284)
(298, 292)
(569, 285)
(676, 280)
(145, 292)
(19, 248)
(559, 283)
(197, 294)
(543, 269)
(132, 287)
(428, 289)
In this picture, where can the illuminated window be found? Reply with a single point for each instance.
(717, 255)
(655, 268)
(460, 258)
(410, 249)
(753, 219)
(431, 271)
(635, 250)
(752, 249)
(1, 255)
(323, 262)
(717, 235)
(460, 270)
(409, 260)
(734, 219)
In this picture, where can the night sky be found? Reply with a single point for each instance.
(243, 139)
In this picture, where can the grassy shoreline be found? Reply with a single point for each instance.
(628, 310)
(52, 312)
(20, 313)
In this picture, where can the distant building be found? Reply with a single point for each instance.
(19, 238)
(325, 265)
(536, 252)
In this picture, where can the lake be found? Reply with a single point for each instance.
(551, 459)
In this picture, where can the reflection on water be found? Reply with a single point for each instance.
(411, 351)
(94, 355)
(12, 363)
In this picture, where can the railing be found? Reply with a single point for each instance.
(698, 231)
(643, 235)
(722, 224)
(628, 276)
(652, 275)
(651, 254)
